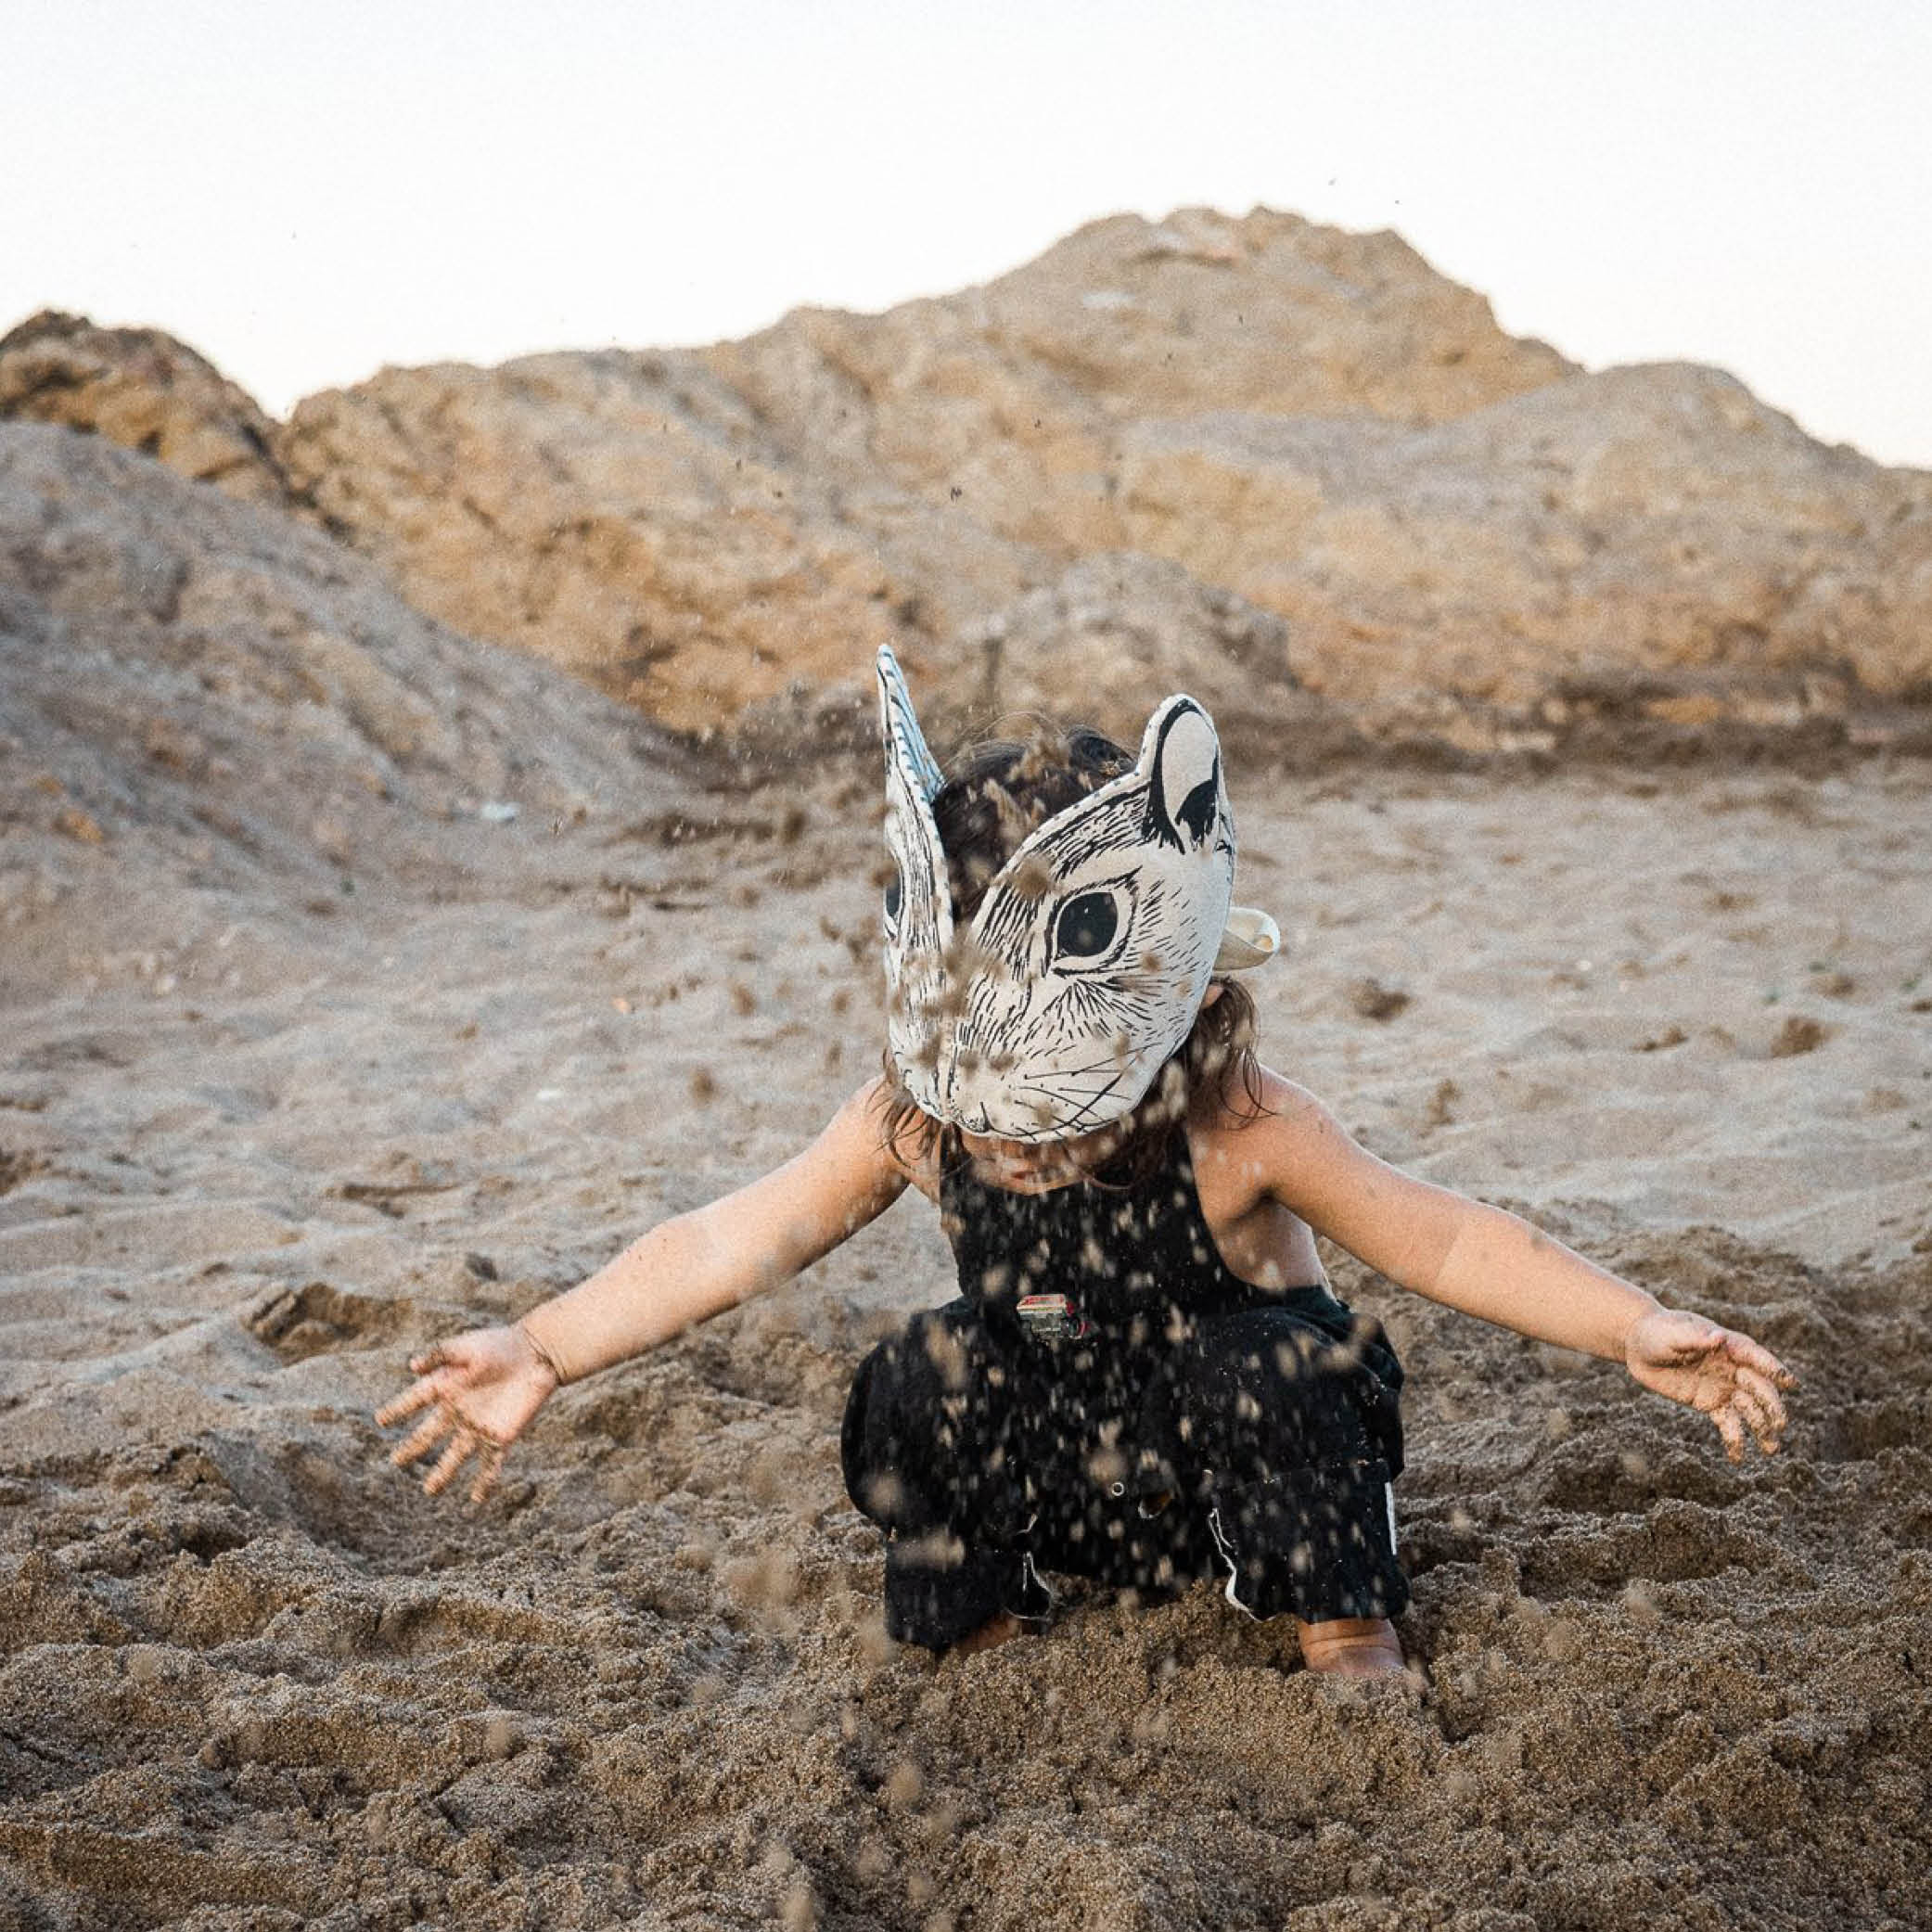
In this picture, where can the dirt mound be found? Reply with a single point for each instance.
(251, 1677)
(198, 693)
(142, 388)
(1453, 534)
(1294, 471)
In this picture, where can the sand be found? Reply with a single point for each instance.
(256, 1144)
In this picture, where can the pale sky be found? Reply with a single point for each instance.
(305, 192)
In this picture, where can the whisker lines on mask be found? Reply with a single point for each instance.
(1082, 1099)
(1110, 1067)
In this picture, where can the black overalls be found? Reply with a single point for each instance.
(1182, 1423)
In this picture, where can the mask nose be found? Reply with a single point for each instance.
(969, 1110)
(964, 1097)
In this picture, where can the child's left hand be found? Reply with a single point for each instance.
(1715, 1370)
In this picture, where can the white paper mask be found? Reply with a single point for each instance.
(1088, 958)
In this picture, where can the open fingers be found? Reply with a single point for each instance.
(419, 1395)
(489, 1468)
(1757, 1416)
(423, 1437)
(1754, 1355)
(462, 1445)
(1764, 1391)
(1731, 1429)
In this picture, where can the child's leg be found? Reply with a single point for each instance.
(929, 1456)
(1290, 1452)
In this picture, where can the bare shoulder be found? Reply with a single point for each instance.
(1281, 1148)
(1254, 1127)
(1287, 1100)
(856, 1137)
(848, 1172)
(826, 1192)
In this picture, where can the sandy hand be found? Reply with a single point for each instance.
(1715, 1370)
(481, 1388)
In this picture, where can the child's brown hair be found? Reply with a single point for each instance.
(1001, 791)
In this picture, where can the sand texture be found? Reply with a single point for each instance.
(258, 1138)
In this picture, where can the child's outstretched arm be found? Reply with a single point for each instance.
(481, 1388)
(1490, 1263)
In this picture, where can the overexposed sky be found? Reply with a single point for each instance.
(305, 192)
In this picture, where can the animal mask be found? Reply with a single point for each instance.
(1091, 951)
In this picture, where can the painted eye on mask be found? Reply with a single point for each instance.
(1088, 929)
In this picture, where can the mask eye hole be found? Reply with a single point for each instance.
(1086, 926)
(895, 896)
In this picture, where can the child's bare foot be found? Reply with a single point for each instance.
(1002, 1630)
(1351, 1646)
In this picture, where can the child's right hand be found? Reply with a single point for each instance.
(485, 1386)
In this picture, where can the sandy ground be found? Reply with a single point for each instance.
(253, 1147)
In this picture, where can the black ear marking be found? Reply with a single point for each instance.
(1197, 810)
(1186, 772)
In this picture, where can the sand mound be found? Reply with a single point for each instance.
(246, 1670)
(200, 698)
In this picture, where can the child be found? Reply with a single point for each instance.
(1146, 1378)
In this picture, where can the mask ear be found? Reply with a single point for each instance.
(918, 902)
(1183, 764)
(899, 726)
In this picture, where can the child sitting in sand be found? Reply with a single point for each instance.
(1146, 1378)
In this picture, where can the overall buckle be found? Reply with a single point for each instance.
(1051, 1318)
